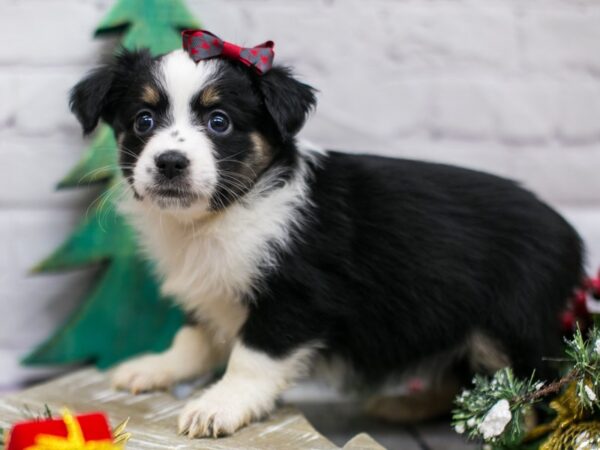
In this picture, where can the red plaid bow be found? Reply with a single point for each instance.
(201, 44)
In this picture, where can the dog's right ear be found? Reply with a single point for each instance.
(97, 95)
(89, 97)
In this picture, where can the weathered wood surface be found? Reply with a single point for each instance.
(341, 419)
(153, 417)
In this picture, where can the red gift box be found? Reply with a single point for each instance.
(84, 428)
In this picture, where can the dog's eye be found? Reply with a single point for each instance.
(219, 122)
(144, 122)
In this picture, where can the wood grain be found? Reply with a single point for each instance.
(153, 417)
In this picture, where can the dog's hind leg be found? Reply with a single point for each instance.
(481, 354)
(415, 407)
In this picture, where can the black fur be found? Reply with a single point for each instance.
(88, 97)
(401, 260)
(287, 100)
(108, 87)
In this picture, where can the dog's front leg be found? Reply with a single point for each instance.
(191, 354)
(248, 390)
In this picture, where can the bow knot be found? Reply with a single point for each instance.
(202, 44)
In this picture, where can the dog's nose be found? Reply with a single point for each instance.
(171, 163)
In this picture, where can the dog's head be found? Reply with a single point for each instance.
(193, 136)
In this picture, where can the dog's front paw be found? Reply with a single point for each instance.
(143, 374)
(219, 412)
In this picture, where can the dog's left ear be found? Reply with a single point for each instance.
(288, 101)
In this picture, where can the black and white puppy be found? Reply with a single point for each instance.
(287, 257)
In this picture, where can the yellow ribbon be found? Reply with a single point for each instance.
(74, 439)
(571, 428)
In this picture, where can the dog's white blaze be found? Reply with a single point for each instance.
(181, 79)
(210, 263)
(252, 383)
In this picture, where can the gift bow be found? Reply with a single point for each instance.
(84, 432)
(202, 44)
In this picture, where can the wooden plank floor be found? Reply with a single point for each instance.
(153, 417)
(338, 421)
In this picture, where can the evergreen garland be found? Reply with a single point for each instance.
(494, 410)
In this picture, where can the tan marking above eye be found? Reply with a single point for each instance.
(150, 95)
(262, 154)
(209, 96)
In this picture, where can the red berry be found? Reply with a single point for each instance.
(580, 303)
(415, 385)
(567, 321)
(579, 296)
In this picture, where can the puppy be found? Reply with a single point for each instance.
(288, 258)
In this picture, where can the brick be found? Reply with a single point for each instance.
(494, 159)
(44, 302)
(463, 109)
(36, 165)
(535, 6)
(28, 235)
(327, 132)
(579, 110)
(384, 109)
(399, 34)
(562, 40)
(49, 33)
(7, 105)
(587, 222)
(226, 17)
(33, 305)
(526, 111)
(566, 176)
(318, 47)
(47, 91)
(450, 37)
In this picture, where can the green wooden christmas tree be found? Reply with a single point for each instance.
(124, 313)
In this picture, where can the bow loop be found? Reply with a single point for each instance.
(202, 44)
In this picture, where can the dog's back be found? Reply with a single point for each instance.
(404, 259)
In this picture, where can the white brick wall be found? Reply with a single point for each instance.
(506, 86)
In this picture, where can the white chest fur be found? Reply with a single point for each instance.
(210, 263)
